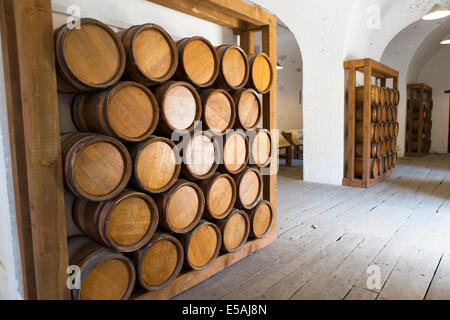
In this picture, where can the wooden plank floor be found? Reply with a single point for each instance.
(389, 242)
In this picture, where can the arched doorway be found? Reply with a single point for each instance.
(420, 58)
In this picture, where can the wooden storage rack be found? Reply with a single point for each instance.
(448, 149)
(32, 103)
(423, 95)
(371, 69)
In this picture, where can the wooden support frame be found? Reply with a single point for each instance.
(412, 89)
(27, 33)
(32, 103)
(448, 149)
(370, 68)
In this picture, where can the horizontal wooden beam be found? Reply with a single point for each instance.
(420, 86)
(203, 10)
(250, 13)
(189, 279)
(378, 69)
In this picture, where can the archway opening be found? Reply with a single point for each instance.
(290, 102)
(417, 54)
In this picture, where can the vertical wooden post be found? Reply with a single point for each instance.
(351, 123)
(395, 83)
(409, 120)
(421, 122)
(270, 120)
(367, 124)
(448, 91)
(248, 41)
(27, 41)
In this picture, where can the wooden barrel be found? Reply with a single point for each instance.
(374, 168)
(261, 220)
(200, 156)
(395, 159)
(261, 72)
(390, 111)
(382, 96)
(198, 62)
(248, 109)
(375, 114)
(389, 97)
(159, 262)
(234, 68)
(389, 146)
(181, 208)
(220, 196)
(386, 130)
(374, 96)
(384, 115)
(392, 96)
(235, 230)
(427, 146)
(396, 97)
(387, 164)
(125, 223)
(201, 246)
(387, 94)
(381, 167)
(249, 186)
(180, 107)
(395, 117)
(219, 111)
(235, 152)
(105, 274)
(391, 161)
(89, 58)
(156, 165)
(376, 150)
(374, 132)
(260, 147)
(384, 148)
(127, 111)
(392, 129)
(96, 167)
(382, 137)
(379, 114)
(152, 56)
(415, 136)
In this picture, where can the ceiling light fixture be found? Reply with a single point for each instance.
(446, 40)
(279, 66)
(437, 12)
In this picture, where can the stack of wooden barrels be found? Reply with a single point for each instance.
(384, 128)
(419, 120)
(147, 209)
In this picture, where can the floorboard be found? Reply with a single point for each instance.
(331, 238)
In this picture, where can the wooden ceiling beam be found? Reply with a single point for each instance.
(250, 13)
(202, 10)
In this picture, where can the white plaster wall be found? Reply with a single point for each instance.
(121, 14)
(330, 32)
(400, 53)
(436, 73)
(368, 42)
(320, 28)
(11, 286)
